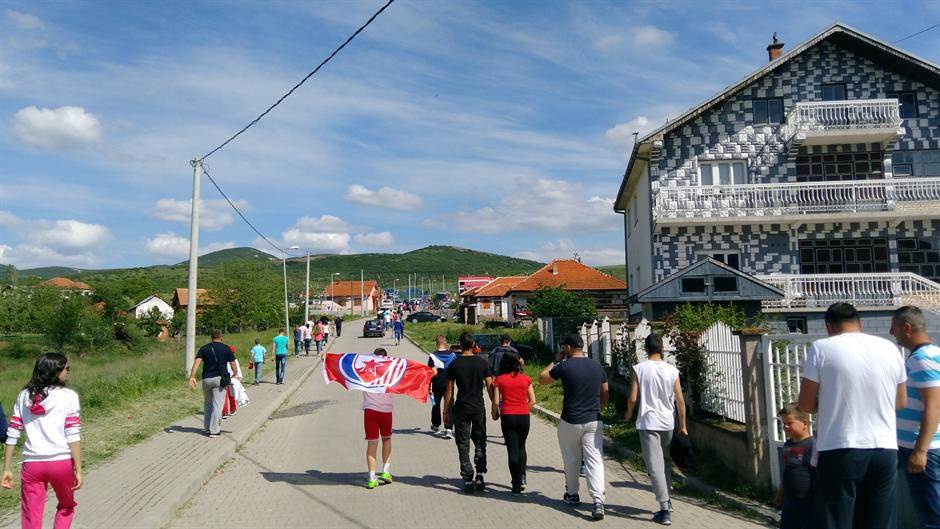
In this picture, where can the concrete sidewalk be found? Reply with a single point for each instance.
(148, 483)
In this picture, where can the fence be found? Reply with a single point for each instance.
(724, 390)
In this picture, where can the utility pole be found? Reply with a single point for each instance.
(306, 292)
(362, 293)
(193, 265)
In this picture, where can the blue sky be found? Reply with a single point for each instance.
(497, 126)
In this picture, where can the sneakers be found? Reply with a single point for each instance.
(662, 518)
(435, 429)
(670, 506)
(522, 485)
(516, 491)
(572, 499)
(468, 487)
(448, 433)
(583, 471)
(479, 483)
(372, 483)
(386, 477)
(598, 512)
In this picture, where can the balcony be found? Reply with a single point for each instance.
(885, 199)
(834, 122)
(879, 290)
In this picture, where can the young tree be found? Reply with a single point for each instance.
(556, 302)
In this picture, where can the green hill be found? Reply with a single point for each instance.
(618, 271)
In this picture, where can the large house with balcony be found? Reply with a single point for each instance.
(819, 174)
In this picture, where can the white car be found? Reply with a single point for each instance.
(387, 304)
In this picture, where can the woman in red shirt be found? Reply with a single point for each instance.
(512, 398)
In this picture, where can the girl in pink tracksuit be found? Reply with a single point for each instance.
(48, 413)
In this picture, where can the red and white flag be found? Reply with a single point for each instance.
(379, 374)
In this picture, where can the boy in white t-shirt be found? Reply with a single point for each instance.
(377, 420)
(854, 382)
(656, 385)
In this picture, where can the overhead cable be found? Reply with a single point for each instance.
(912, 35)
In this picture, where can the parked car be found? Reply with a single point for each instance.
(423, 316)
(488, 342)
(374, 329)
(523, 314)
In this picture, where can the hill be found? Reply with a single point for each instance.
(229, 255)
(618, 271)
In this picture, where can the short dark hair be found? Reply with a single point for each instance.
(573, 340)
(793, 409)
(653, 344)
(466, 342)
(216, 334)
(505, 338)
(911, 315)
(380, 352)
(509, 363)
(841, 312)
(257, 341)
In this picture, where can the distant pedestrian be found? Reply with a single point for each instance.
(440, 359)
(377, 419)
(469, 375)
(513, 397)
(388, 320)
(338, 322)
(796, 494)
(213, 357)
(257, 357)
(854, 382)
(656, 386)
(48, 413)
(326, 329)
(319, 336)
(496, 355)
(580, 430)
(918, 431)
(298, 340)
(307, 337)
(399, 327)
(279, 351)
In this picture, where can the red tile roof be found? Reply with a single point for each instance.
(62, 282)
(181, 297)
(570, 274)
(498, 287)
(345, 289)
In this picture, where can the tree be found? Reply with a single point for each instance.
(244, 294)
(151, 323)
(556, 302)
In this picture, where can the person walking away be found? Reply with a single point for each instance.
(918, 432)
(580, 431)
(441, 360)
(388, 320)
(298, 340)
(326, 329)
(279, 351)
(229, 406)
(257, 357)
(48, 413)
(399, 326)
(795, 495)
(338, 322)
(213, 358)
(513, 397)
(497, 353)
(318, 336)
(307, 337)
(469, 375)
(854, 382)
(656, 386)
(377, 420)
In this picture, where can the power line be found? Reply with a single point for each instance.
(302, 81)
(912, 35)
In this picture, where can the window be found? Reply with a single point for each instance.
(796, 324)
(732, 259)
(844, 256)
(916, 163)
(903, 169)
(920, 256)
(768, 111)
(726, 284)
(908, 102)
(833, 92)
(693, 285)
(722, 173)
(865, 163)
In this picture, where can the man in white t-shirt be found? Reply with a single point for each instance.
(855, 384)
(656, 385)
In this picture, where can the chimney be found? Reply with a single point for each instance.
(774, 49)
(554, 269)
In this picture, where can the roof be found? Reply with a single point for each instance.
(470, 292)
(498, 287)
(844, 36)
(63, 282)
(753, 289)
(570, 274)
(351, 288)
(148, 298)
(181, 297)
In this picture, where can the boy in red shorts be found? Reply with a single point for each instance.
(377, 419)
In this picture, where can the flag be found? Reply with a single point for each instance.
(378, 374)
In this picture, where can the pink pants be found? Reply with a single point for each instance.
(37, 475)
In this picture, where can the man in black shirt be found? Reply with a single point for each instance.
(470, 374)
(496, 355)
(338, 322)
(213, 358)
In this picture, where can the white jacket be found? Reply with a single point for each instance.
(50, 429)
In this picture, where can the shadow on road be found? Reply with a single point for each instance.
(307, 408)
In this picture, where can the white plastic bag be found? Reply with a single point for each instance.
(241, 396)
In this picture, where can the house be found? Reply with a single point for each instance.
(354, 296)
(149, 303)
(67, 284)
(467, 282)
(609, 293)
(490, 301)
(818, 174)
(181, 298)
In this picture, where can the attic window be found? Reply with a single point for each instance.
(726, 284)
(693, 285)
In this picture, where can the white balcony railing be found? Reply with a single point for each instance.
(912, 195)
(889, 289)
(854, 115)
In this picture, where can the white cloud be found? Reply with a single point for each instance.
(542, 205)
(56, 129)
(566, 249)
(650, 36)
(172, 246)
(47, 242)
(321, 224)
(382, 239)
(213, 214)
(324, 234)
(24, 20)
(621, 134)
(385, 196)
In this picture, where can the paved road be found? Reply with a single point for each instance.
(305, 468)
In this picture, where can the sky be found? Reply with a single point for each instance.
(497, 126)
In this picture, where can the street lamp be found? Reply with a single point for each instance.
(396, 289)
(307, 291)
(286, 307)
(332, 304)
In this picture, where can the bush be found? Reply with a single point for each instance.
(556, 302)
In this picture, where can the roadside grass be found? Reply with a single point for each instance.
(126, 395)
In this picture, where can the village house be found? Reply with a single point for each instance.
(354, 296)
(181, 299)
(489, 302)
(609, 293)
(149, 303)
(63, 283)
(818, 174)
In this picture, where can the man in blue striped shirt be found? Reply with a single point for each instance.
(918, 438)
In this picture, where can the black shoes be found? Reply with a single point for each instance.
(479, 483)
(468, 487)
(572, 499)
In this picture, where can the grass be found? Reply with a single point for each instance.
(126, 396)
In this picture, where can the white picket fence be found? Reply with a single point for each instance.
(724, 390)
